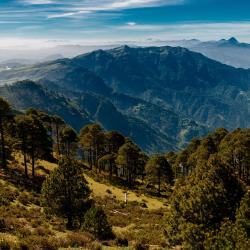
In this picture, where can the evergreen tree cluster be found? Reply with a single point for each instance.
(38, 135)
(209, 206)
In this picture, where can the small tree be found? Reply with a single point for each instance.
(109, 160)
(57, 123)
(95, 222)
(158, 170)
(68, 140)
(91, 139)
(33, 139)
(128, 159)
(65, 192)
(22, 132)
(114, 140)
(5, 116)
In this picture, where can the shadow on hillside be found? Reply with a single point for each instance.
(17, 178)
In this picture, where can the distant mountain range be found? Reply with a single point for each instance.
(161, 97)
(230, 52)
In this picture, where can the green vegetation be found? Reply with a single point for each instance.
(65, 191)
(95, 222)
(158, 169)
(60, 189)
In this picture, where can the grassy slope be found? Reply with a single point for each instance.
(103, 189)
(25, 215)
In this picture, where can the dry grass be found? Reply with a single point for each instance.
(133, 221)
(101, 190)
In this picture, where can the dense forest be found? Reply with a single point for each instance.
(204, 189)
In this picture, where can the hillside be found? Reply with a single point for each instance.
(23, 222)
(191, 84)
(27, 94)
(128, 89)
(84, 109)
(96, 188)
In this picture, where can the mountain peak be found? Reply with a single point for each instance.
(233, 40)
(123, 48)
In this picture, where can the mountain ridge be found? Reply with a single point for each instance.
(165, 94)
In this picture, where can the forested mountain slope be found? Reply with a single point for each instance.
(193, 85)
(158, 94)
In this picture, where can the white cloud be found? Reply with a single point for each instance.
(131, 23)
(76, 7)
(67, 14)
(37, 2)
(123, 4)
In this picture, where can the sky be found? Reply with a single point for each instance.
(39, 23)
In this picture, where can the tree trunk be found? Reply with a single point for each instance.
(90, 158)
(25, 163)
(110, 170)
(159, 183)
(57, 139)
(4, 161)
(33, 164)
(70, 221)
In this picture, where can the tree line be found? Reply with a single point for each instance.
(210, 178)
(38, 135)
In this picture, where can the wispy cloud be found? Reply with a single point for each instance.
(38, 2)
(76, 7)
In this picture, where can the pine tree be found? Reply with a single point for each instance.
(68, 141)
(201, 202)
(33, 139)
(158, 170)
(58, 123)
(95, 222)
(91, 139)
(5, 118)
(65, 192)
(128, 158)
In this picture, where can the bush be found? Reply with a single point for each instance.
(95, 246)
(4, 201)
(2, 225)
(108, 191)
(42, 231)
(41, 243)
(140, 246)
(79, 239)
(122, 242)
(95, 222)
(4, 245)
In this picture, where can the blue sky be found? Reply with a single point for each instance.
(99, 21)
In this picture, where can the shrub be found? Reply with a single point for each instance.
(122, 242)
(2, 225)
(140, 246)
(95, 222)
(95, 246)
(109, 191)
(4, 201)
(4, 245)
(143, 205)
(41, 243)
(42, 231)
(79, 239)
